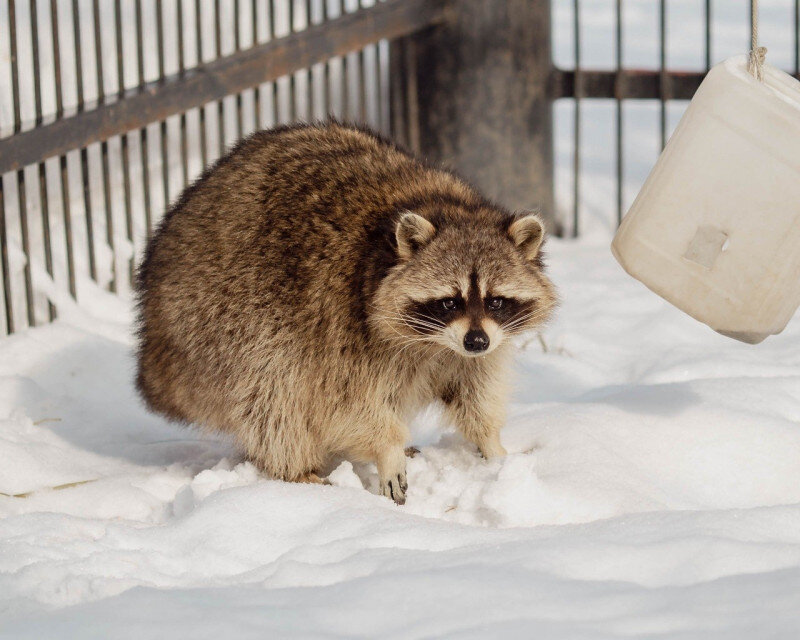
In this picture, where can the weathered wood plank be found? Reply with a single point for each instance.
(484, 103)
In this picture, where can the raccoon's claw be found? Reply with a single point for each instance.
(492, 449)
(395, 488)
(312, 478)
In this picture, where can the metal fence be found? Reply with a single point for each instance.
(662, 85)
(108, 109)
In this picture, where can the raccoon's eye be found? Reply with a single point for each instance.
(495, 304)
(448, 304)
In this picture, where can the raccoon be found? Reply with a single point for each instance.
(318, 286)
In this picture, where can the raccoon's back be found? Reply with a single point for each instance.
(284, 212)
(272, 254)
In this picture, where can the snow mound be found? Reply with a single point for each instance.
(652, 488)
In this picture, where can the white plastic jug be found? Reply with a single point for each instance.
(716, 228)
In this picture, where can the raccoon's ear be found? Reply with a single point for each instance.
(527, 233)
(412, 233)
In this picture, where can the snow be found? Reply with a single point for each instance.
(651, 490)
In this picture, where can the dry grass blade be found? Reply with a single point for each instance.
(58, 487)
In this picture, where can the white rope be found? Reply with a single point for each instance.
(757, 54)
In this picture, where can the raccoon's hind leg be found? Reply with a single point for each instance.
(284, 450)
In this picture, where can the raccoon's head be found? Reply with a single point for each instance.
(464, 281)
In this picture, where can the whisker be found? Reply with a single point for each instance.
(518, 322)
(512, 325)
(415, 324)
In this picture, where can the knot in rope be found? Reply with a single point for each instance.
(757, 54)
(756, 65)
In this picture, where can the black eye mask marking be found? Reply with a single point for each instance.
(512, 313)
(433, 315)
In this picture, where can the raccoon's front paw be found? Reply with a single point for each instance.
(492, 449)
(392, 474)
(395, 487)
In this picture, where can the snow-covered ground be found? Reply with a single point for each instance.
(652, 490)
(652, 487)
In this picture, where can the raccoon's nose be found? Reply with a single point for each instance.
(476, 340)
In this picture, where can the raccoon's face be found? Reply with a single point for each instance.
(465, 282)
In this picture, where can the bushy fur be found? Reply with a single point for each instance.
(292, 297)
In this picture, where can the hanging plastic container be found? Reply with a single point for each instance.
(716, 228)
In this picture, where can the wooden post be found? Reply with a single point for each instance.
(484, 106)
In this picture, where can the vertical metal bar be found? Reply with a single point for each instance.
(220, 102)
(362, 77)
(65, 199)
(384, 87)
(163, 123)
(412, 98)
(181, 56)
(124, 150)
(662, 24)
(335, 70)
(4, 261)
(292, 85)
(21, 200)
(797, 38)
(273, 32)
(98, 49)
(12, 24)
(338, 107)
(352, 73)
(307, 72)
(12, 27)
(576, 158)
(254, 40)
(87, 201)
(26, 245)
(237, 45)
(143, 137)
(118, 38)
(43, 200)
(56, 58)
(44, 206)
(618, 90)
(326, 69)
(362, 84)
(181, 70)
(328, 93)
(37, 89)
(201, 111)
(708, 19)
(87, 206)
(397, 91)
(319, 81)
